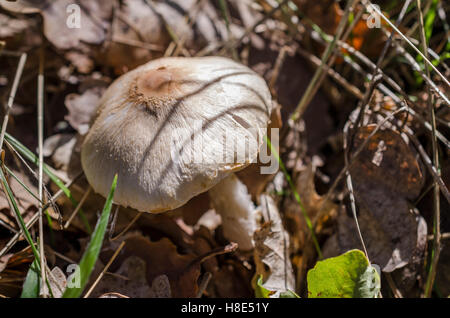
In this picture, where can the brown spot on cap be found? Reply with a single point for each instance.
(156, 82)
(156, 87)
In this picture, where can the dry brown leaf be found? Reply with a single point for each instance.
(82, 107)
(94, 20)
(231, 281)
(9, 27)
(271, 251)
(385, 176)
(139, 33)
(313, 203)
(130, 280)
(58, 282)
(387, 160)
(162, 258)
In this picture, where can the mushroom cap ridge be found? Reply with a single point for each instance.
(162, 128)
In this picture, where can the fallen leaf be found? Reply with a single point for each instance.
(82, 107)
(9, 27)
(94, 16)
(387, 160)
(385, 176)
(271, 251)
(162, 258)
(57, 281)
(130, 280)
(349, 275)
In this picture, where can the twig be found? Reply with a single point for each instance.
(252, 29)
(314, 83)
(350, 189)
(366, 2)
(78, 207)
(136, 217)
(444, 236)
(276, 69)
(335, 75)
(437, 214)
(395, 290)
(12, 95)
(40, 111)
(203, 284)
(104, 270)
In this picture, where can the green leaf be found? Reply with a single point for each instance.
(346, 276)
(31, 286)
(289, 294)
(260, 290)
(90, 256)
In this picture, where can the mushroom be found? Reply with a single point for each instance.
(176, 127)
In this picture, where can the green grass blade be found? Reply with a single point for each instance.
(13, 204)
(296, 195)
(29, 155)
(31, 286)
(429, 19)
(15, 208)
(90, 256)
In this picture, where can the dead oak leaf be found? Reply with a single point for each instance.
(385, 176)
(58, 28)
(82, 107)
(271, 251)
(387, 160)
(162, 258)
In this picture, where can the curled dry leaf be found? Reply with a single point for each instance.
(57, 281)
(271, 251)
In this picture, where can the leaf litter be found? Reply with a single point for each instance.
(390, 182)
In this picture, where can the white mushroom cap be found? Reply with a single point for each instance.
(149, 121)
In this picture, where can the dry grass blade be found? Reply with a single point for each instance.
(437, 207)
(12, 95)
(318, 75)
(78, 207)
(374, 8)
(40, 105)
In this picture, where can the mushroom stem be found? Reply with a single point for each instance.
(230, 199)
